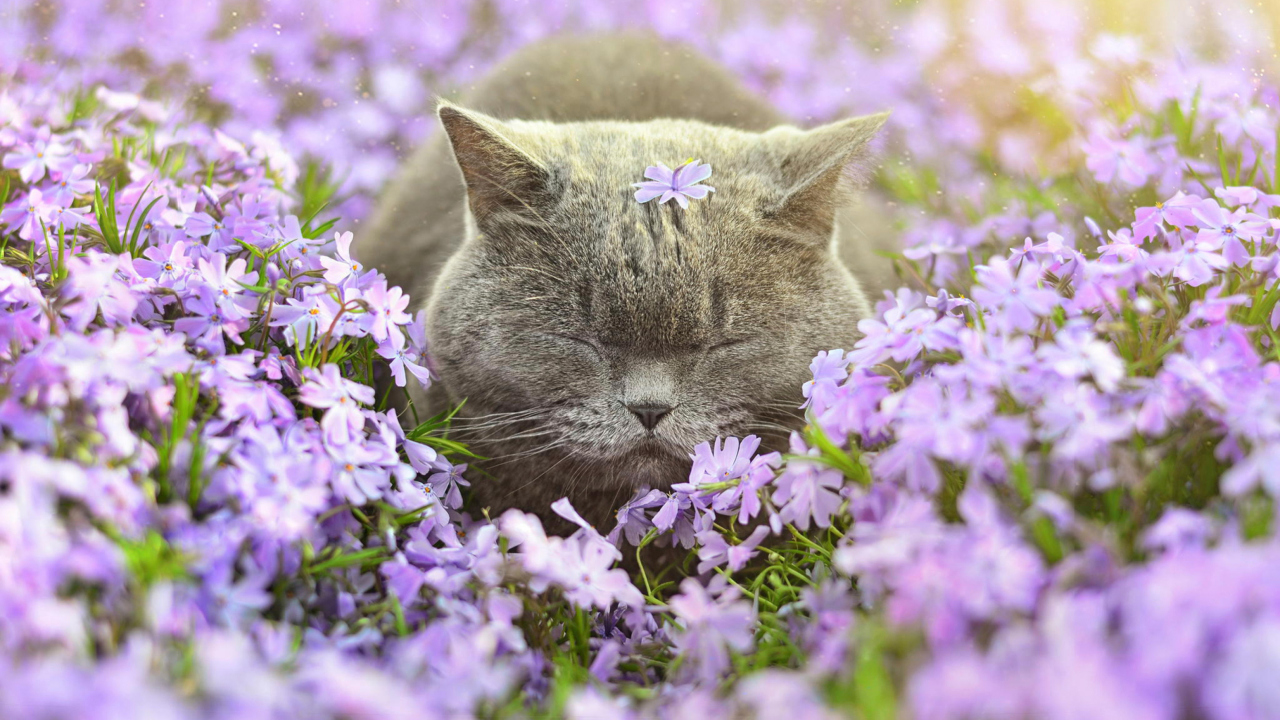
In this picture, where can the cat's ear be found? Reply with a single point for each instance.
(500, 177)
(819, 167)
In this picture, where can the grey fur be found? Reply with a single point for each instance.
(556, 299)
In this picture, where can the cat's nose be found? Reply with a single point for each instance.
(649, 413)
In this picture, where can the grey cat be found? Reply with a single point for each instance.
(596, 339)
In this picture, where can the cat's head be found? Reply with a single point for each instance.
(626, 333)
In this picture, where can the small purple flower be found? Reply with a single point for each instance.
(447, 484)
(1127, 160)
(1015, 294)
(32, 161)
(829, 369)
(207, 321)
(709, 629)
(202, 224)
(808, 491)
(167, 265)
(306, 320)
(1176, 212)
(340, 398)
(1244, 195)
(727, 460)
(386, 311)
(586, 574)
(944, 303)
(28, 214)
(631, 517)
(680, 184)
(716, 551)
(1226, 230)
(344, 266)
(228, 281)
(75, 181)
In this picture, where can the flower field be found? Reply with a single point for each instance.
(1042, 485)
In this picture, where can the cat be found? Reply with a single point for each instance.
(595, 339)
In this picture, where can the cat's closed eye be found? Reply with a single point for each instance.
(728, 344)
(575, 340)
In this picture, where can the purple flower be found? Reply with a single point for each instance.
(901, 337)
(1014, 296)
(1178, 212)
(1178, 529)
(744, 496)
(71, 183)
(34, 159)
(829, 369)
(714, 551)
(340, 398)
(1195, 263)
(92, 288)
(386, 312)
(168, 265)
(680, 184)
(28, 214)
(587, 578)
(808, 491)
(1260, 468)
(1110, 159)
(411, 355)
(447, 482)
(1238, 195)
(207, 322)
(632, 519)
(726, 460)
(338, 270)
(201, 224)
(1226, 230)
(228, 282)
(709, 629)
(947, 305)
(308, 319)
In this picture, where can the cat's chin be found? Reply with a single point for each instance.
(653, 463)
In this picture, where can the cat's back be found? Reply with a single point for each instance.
(634, 77)
(420, 220)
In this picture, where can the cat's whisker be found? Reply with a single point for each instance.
(507, 413)
(498, 420)
(467, 431)
(539, 476)
(769, 427)
(530, 434)
(534, 450)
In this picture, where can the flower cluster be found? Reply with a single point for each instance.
(1042, 484)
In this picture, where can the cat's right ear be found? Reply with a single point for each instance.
(819, 168)
(500, 177)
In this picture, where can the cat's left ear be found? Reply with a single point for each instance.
(500, 176)
(819, 169)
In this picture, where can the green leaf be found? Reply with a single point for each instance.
(105, 212)
(1222, 164)
(137, 229)
(374, 554)
(151, 559)
(873, 684)
(1046, 539)
(835, 457)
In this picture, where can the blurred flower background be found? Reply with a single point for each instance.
(1042, 485)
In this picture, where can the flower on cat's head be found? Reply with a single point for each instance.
(681, 183)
